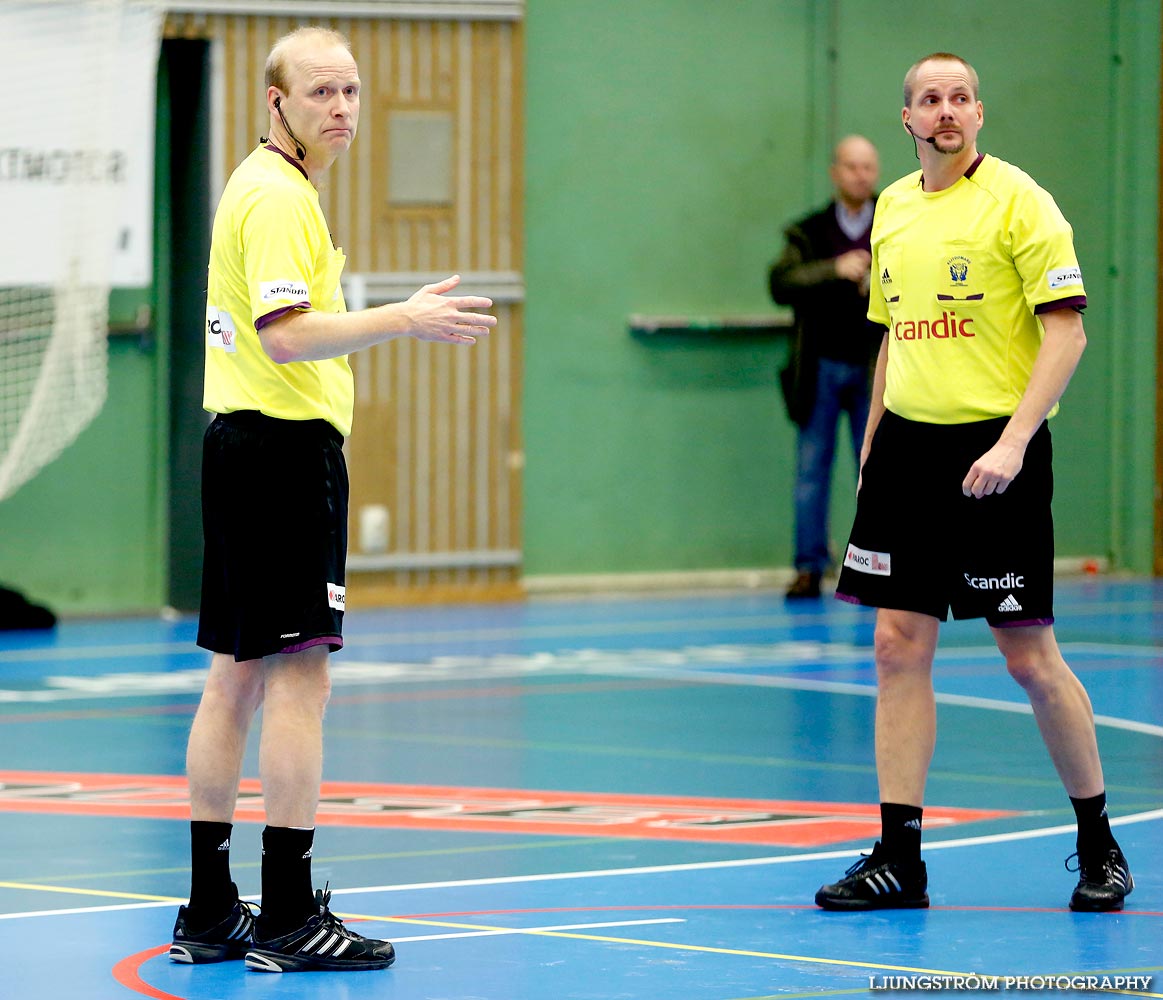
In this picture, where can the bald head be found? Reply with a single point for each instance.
(914, 71)
(288, 48)
(312, 97)
(853, 145)
(855, 170)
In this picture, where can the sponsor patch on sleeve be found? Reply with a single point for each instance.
(284, 291)
(863, 561)
(220, 329)
(1064, 277)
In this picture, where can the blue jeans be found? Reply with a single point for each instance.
(840, 388)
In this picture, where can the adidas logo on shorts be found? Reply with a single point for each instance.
(1009, 604)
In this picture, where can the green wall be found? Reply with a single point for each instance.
(668, 143)
(84, 534)
(664, 149)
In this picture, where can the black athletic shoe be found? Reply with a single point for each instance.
(875, 883)
(1104, 881)
(224, 941)
(323, 943)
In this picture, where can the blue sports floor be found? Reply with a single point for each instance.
(589, 798)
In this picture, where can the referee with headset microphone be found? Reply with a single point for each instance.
(274, 507)
(975, 278)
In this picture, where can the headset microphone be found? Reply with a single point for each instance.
(300, 152)
(931, 140)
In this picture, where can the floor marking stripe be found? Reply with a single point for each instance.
(332, 859)
(126, 972)
(605, 939)
(73, 891)
(707, 949)
(773, 823)
(863, 690)
(563, 932)
(502, 931)
(998, 838)
(742, 953)
(81, 910)
(602, 873)
(762, 621)
(741, 862)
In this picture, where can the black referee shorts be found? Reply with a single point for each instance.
(274, 516)
(919, 544)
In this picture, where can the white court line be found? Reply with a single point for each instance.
(501, 931)
(784, 859)
(862, 690)
(395, 640)
(648, 626)
(997, 838)
(1024, 708)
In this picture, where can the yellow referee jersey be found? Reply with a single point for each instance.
(956, 278)
(270, 252)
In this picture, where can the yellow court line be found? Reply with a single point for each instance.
(108, 893)
(701, 948)
(651, 944)
(605, 939)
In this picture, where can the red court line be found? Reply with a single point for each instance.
(126, 973)
(540, 812)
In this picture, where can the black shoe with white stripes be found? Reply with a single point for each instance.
(323, 943)
(875, 883)
(226, 940)
(1104, 881)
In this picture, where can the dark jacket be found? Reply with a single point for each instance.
(830, 312)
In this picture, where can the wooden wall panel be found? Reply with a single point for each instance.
(437, 427)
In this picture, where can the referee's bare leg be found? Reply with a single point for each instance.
(290, 757)
(906, 710)
(1061, 705)
(296, 687)
(233, 693)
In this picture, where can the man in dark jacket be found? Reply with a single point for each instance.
(823, 275)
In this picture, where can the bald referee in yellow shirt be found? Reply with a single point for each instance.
(975, 279)
(274, 505)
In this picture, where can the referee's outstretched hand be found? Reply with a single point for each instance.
(437, 317)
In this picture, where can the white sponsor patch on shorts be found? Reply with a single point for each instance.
(283, 291)
(1064, 276)
(336, 596)
(863, 561)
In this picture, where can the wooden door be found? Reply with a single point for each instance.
(432, 186)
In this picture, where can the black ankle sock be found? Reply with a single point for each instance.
(288, 899)
(1094, 829)
(900, 837)
(212, 894)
